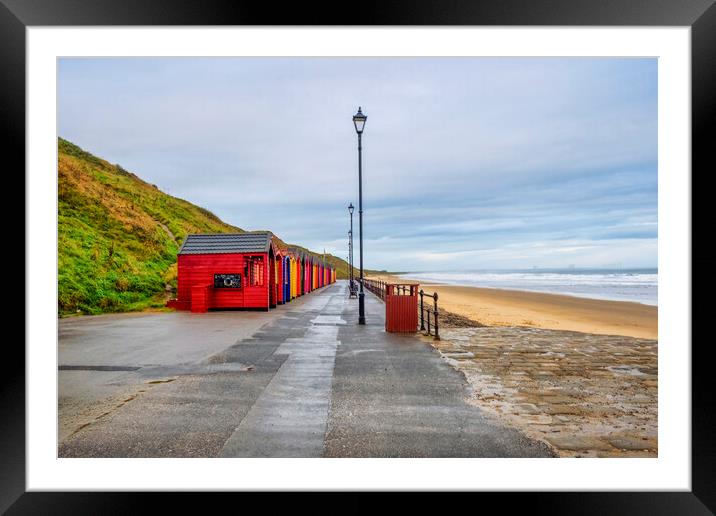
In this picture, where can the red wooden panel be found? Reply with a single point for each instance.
(178, 305)
(199, 298)
(401, 313)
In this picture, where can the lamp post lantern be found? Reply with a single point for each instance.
(351, 290)
(359, 122)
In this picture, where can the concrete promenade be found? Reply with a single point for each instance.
(303, 380)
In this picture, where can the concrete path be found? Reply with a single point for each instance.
(104, 360)
(289, 418)
(394, 396)
(303, 380)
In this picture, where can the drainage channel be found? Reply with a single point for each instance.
(97, 368)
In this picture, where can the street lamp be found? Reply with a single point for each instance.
(352, 290)
(359, 121)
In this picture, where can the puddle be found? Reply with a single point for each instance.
(230, 367)
(459, 354)
(629, 370)
(328, 320)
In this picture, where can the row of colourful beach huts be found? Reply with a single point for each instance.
(244, 271)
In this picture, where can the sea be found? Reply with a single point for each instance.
(636, 285)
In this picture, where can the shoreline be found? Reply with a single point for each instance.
(565, 294)
(503, 307)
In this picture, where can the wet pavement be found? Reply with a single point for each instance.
(304, 380)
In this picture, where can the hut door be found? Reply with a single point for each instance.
(286, 297)
(272, 281)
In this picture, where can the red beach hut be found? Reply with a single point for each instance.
(228, 270)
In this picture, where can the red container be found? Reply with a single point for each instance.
(401, 308)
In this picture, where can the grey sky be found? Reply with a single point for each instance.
(468, 162)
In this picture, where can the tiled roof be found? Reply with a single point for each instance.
(227, 243)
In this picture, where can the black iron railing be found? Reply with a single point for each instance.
(375, 286)
(378, 288)
(426, 311)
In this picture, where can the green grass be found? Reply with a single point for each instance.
(114, 254)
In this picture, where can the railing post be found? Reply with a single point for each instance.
(437, 332)
(422, 318)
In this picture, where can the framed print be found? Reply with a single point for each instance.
(199, 316)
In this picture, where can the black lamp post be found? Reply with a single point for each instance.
(350, 266)
(359, 121)
(352, 290)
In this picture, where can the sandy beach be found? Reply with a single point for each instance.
(496, 307)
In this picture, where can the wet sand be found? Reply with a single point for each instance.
(496, 307)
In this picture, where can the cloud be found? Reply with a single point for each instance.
(464, 158)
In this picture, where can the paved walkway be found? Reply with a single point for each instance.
(394, 396)
(289, 418)
(302, 381)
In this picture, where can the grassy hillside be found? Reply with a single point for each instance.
(118, 236)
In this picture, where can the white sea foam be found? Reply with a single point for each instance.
(638, 285)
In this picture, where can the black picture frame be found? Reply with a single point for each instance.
(700, 15)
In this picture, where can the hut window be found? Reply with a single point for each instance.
(256, 271)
